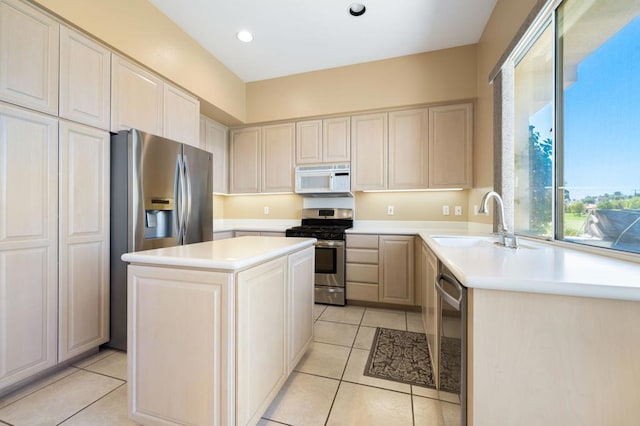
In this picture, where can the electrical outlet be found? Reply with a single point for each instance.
(457, 210)
(445, 210)
(390, 210)
(475, 210)
(266, 209)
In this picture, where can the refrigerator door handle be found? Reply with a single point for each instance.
(180, 196)
(187, 175)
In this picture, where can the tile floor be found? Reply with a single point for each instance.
(326, 388)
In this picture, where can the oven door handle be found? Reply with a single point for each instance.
(446, 296)
(329, 244)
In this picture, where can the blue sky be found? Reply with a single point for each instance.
(602, 119)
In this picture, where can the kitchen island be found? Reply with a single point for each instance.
(215, 328)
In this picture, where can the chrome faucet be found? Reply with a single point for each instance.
(504, 237)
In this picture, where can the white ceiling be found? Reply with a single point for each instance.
(295, 36)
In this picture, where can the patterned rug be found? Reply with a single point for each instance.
(401, 356)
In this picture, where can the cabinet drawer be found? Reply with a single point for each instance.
(362, 241)
(362, 291)
(362, 273)
(356, 255)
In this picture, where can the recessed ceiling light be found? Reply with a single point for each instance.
(357, 9)
(244, 36)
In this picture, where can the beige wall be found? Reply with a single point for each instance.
(506, 19)
(281, 206)
(139, 30)
(432, 77)
(410, 205)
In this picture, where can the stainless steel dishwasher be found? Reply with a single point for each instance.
(453, 338)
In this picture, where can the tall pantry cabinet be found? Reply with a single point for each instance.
(54, 193)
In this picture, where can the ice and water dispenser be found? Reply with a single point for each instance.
(159, 217)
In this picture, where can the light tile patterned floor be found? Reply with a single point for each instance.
(326, 388)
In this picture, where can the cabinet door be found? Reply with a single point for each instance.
(450, 146)
(199, 364)
(28, 243)
(181, 116)
(278, 147)
(301, 272)
(431, 307)
(217, 139)
(245, 163)
(336, 140)
(29, 43)
(83, 311)
(136, 98)
(309, 142)
(369, 145)
(85, 80)
(408, 149)
(262, 336)
(396, 269)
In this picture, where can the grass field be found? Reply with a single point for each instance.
(573, 223)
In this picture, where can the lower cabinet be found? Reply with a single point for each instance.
(246, 332)
(430, 307)
(380, 268)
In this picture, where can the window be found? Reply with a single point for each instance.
(576, 109)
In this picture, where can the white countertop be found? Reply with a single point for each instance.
(230, 255)
(539, 267)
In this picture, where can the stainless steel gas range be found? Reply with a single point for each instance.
(328, 226)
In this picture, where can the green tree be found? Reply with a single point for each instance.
(540, 176)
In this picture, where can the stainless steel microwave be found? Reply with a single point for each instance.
(324, 180)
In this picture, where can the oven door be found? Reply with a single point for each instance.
(329, 272)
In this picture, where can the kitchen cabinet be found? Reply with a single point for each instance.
(85, 80)
(181, 116)
(278, 148)
(396, 264)
(430, 302)
(369, 151)
(408, 149)
(83, 274)
(258, 233)
(214, 137)
(29, 54)
(362, 275)
(248, 328)
(261, 159)
(222, 235)
(451, 146)
(28, 243)
(323, 141)
(245, 161)
(136, 98)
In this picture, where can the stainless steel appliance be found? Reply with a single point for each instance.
(328, 226)
(452, 363)
(324, 180)
(160, 197)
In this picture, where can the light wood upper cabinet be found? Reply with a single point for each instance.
(309, 142)
(336, 140)
(369, 149)
(84, 239)
(85, 80)
(136, 98)
(28, 243)
(214, 138)
(408, 149)
(261, 159)
(396, 269)
(323, 141)
(278, 147)
(181, 116)
(245, 160)
(451, 146)
(29, 54)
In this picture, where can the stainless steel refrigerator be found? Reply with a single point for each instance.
(160, 197)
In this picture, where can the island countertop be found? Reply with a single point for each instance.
(232, 254)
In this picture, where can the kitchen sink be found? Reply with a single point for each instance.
(488, 241)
